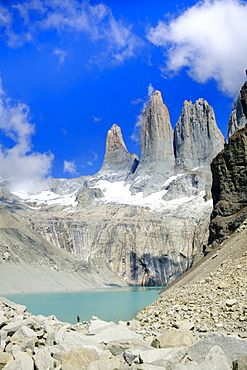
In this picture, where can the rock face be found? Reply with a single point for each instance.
(118, 162)
(138, 245)
(229, 171)
(237, 119)
(156, 148)
(197, 138)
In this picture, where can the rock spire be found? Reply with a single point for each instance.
(118, 162)
(197, 138)
(156, 132)
(156, 147)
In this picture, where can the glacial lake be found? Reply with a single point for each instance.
(110, 304)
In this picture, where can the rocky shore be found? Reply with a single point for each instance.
(31, 342)
(198, 323)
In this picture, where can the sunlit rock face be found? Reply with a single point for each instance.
(156, 148)
(197, 138)
(145, 221)
(118, 162)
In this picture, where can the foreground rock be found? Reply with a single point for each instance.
(170, 334)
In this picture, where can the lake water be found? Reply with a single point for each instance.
(111, 304)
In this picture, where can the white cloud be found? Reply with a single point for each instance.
(136, 132)
(210, 39)
(23, 168)
(77, 17)
(61, 54)
(150, 90)
(69, 167)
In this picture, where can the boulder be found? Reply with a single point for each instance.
(43, 359)
(240, 363)
(107, 364)
(79, 358)
(174, 338)
(117, 347)
(21, 361)
(24, 332)
(216, 359)
(114, 332)
(159, 356)
(233, 346)
(4, 358)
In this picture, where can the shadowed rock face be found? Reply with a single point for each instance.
(229, 171)
(118, 162)
(237, 119)
(197, 138)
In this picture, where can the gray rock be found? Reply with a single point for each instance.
(14, 326)
(27, 344)
(197, 138)
(237, 119)
(24, 332)
(158, 356)
(216, 359)
(118, 162)
(114, 332)
(117, 347)
(156, 148)
(71, 339)
(43, 359)
(240, 363)
(233, 346)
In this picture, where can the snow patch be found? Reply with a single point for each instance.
(118, 192)
(48, 197)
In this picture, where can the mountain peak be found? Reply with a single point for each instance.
(118, 162)
(197, 138)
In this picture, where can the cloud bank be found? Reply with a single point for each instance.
(22, 168)
(210, 40)
(97, 22)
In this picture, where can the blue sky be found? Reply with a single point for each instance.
(70, 69)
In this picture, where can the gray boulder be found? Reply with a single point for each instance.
(233, 346)
(216, 359)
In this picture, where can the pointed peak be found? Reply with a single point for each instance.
(115, 139)
(157, 96)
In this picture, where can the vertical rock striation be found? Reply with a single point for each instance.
(197, 138)
(156, 135)
(156, 148)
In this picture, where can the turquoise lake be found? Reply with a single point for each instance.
(111, 304)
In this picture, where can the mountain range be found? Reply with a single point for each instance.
(138, 221)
